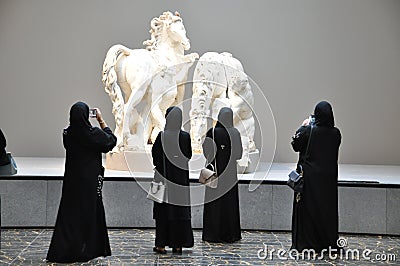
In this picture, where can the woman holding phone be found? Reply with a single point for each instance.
(315, 210)
(80, 232)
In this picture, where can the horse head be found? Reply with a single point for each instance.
(167, 26)
(177, 31)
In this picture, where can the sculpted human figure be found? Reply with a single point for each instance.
(209, 95)
(220, 81)
(128, 75)
(241, 99)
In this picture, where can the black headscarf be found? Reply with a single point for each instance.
(225, 118)
(225, 123)
(173, 119)
(79, 116)
(79, 125)
(323, 115)
(170, 137)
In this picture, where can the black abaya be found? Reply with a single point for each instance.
(80, 233)
(173, 219)
(315, 215)
(221, 217)
(3, 154)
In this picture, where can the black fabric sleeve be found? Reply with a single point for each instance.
(102, 139)
(3, 142)
(339, 136)
(3, 154)
(237, 148)
(300, 139)
(187, 149)
(157, 153)
(209, 147)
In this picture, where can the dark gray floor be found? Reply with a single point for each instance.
(134, 247)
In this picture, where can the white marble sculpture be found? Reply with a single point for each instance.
(143, 83)
(219, 81)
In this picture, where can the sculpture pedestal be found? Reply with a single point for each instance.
(254, 158)
(116, 161)
(141, 161)
(133, 161)
(197, 162)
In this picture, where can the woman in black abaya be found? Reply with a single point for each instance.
(173, 219)
(221, 218)
(315, 210)
(80, 232)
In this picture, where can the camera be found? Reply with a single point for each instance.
(92, 112)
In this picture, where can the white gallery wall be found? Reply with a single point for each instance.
(298, 52)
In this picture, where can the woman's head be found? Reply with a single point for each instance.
(225, 117)
(173, 118)
(79, 115)
(324, 115)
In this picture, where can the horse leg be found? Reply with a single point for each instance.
(147, 121)
(179, 95)
(157, 114)
(135, 98)
(181, 77)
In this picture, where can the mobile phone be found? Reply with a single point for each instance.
(92, 112)
(312, 119)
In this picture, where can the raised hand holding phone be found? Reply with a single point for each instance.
(92, 113)
(306, 122)
(98, 116)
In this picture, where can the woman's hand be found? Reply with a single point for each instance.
(98, 115)
(306, 122)
(100, 119)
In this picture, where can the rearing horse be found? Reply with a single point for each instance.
(128, 76)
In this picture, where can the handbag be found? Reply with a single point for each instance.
(296, 179)
(209, 177)
(157, 190)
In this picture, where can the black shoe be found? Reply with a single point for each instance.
(177, 251)
(159, 251)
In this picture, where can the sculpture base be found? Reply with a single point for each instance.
(254, 158)
(133, 161)
(141, 161)
(116, 161)
(197, 162)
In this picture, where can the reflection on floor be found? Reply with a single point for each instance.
(134, 247)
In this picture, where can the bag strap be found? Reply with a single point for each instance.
(308, 145)
(215, 159)
(309, 140)
(164, 164)
(227, 81)
(152, 186)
